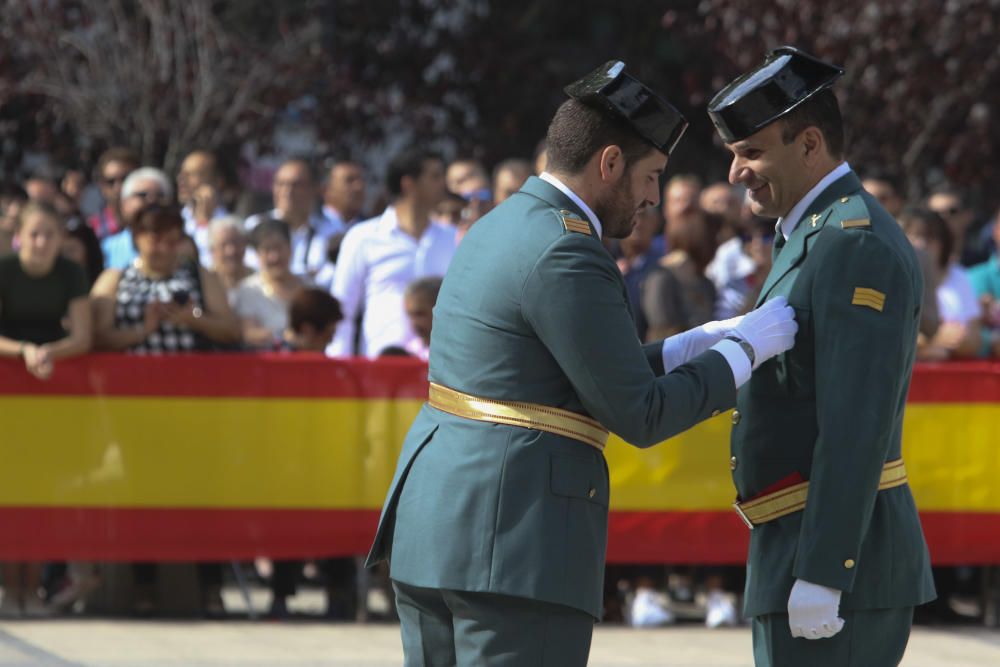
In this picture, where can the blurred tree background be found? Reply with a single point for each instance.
(481, 77)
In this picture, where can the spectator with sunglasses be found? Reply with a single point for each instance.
(972, 242)
(113, 167)
(146, 185)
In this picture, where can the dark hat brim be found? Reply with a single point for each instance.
(613, 90)
(787, 78)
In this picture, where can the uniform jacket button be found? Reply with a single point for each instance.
(592, 492)
(849, 563)
(736, 417)
(733, 463)
(715, 413)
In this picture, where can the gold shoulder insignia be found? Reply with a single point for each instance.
(573, 224)
(857, 222)
(865, 296)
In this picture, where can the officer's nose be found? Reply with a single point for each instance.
(737, 171)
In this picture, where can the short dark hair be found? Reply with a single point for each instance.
(270, 227)
(577, 131)
(157, 219)
(116, 154)
(427, 287)
(513, 164)
(306, 163)
(821, 111)
(332, 164)
(315, 307)
(885, 176)
(12, 192)
(408, 163)
(926, 223)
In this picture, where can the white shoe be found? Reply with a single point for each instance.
(76, 589)
(721, 611)
(35, 608)
(649, 610)
(10, 607)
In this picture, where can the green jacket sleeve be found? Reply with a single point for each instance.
(863, 354)
(573, 299)
(654, 355)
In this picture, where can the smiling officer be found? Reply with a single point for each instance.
(845, 564)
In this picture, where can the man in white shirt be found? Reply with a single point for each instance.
(344, 194)
(730, 262)
(294, 192)
(380, 257)
(199, 183)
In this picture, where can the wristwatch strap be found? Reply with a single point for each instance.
(747, 347)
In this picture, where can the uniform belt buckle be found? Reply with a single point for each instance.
(743, 515)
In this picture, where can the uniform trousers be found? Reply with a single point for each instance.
(870, 638)
(445, 628)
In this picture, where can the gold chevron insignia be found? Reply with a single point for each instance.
(865, 296)
(575, 224)
(859, 222)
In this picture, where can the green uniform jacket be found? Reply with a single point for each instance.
(831, 410)
(531, 311)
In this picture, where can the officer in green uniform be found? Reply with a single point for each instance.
(495, 524)
(837, 555)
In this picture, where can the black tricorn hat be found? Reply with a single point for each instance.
(610, 89)
(787, 78)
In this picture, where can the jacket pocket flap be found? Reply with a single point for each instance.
(579, 477)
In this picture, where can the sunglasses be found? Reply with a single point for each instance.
(114, 180)
(149, 195)
(482, 194)
(950, 211)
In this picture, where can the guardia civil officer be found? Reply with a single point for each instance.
(837, 555)
(496, 521)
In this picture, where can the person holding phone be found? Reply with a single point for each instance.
(161, 303)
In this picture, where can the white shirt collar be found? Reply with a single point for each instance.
(563, 188)
(788, 223)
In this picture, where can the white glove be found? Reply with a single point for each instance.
(683, 347)
(770, 329)
(721, 328)
(813, 611)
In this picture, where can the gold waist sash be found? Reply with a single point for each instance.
(515, 413)
(793, 498)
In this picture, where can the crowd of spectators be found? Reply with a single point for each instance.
(156, 265)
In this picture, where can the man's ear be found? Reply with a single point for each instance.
(612, 164)
(406, 185)
(813, 144)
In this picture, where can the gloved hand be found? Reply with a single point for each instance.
(813, 611)
(683, 347)
(770, 329)
(720, 328)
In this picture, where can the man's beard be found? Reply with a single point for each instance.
(617, 211)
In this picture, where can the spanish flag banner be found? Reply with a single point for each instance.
(207, 457)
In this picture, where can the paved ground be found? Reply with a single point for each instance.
(93, 643)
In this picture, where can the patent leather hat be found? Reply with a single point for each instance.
(611, 89)
(787, 78)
